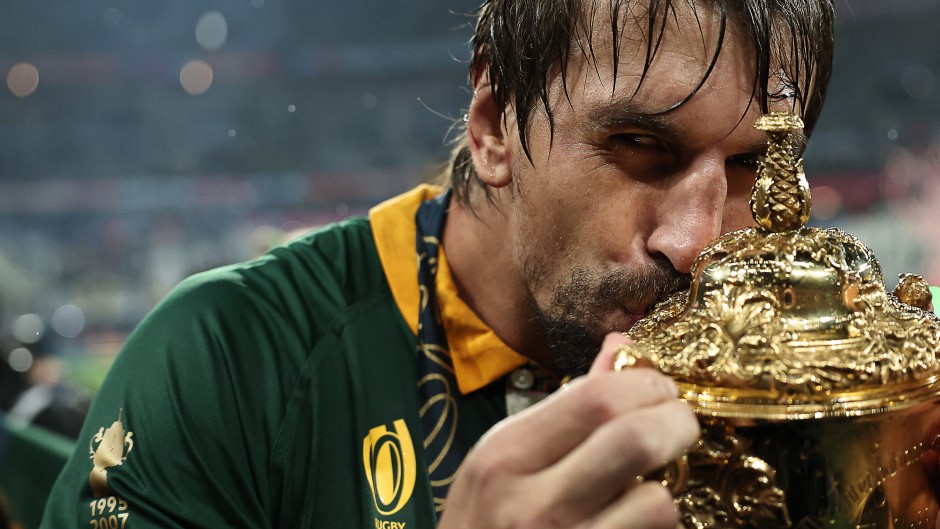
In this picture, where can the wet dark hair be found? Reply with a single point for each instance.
(522, 44)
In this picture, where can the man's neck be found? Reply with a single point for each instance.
(481, 259)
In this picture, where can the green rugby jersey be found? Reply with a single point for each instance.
(280, 392)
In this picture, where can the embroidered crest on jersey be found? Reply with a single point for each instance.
(389, 461)
(108, 448)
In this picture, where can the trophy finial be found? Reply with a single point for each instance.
(780, 200)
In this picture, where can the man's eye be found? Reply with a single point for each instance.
(639, 141)
(749, 161)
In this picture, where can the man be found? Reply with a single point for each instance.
(606, 144)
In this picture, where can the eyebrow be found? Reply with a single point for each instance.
(619, 115)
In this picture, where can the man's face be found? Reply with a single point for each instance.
(611, 211)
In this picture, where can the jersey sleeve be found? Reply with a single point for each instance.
(181, 432)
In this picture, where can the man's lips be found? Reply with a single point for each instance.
(624, 319)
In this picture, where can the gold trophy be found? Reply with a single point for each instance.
(817, 390)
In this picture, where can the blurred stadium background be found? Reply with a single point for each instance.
(141, 142)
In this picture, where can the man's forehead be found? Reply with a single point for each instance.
(670, 54)
(626, 40)
(632, 26)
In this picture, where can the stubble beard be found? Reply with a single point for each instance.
(578, 316)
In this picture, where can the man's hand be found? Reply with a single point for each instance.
(577, 458)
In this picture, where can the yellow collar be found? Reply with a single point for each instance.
(480, 357)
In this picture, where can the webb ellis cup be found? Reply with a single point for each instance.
(817, 390)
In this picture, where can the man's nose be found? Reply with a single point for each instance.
(689, 213)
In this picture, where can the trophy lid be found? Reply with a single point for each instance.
(785, 321)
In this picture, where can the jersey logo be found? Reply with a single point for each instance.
(108, 448)
(389, 462)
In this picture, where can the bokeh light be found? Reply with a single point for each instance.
(196, 77)
(68, 321)
(827, 202)
(111, 16)
(211, 30)
(27, 328)
(23, 79)
(918, 81)
(20, 359)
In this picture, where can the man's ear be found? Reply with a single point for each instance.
(489, 149)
